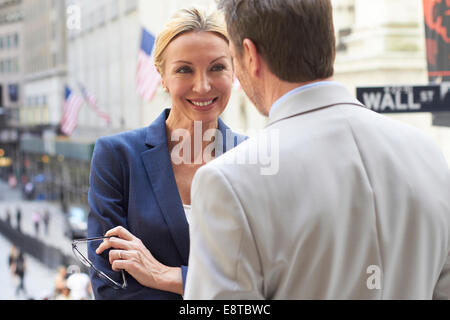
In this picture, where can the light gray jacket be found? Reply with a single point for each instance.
(358, 207)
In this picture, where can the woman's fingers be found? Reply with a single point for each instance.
(124, 260)
(115, 243)
(120, 232)
(120, 255)
(119, 265)
(118, 239)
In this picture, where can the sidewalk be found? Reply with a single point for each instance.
(39, 280)
(12, 200)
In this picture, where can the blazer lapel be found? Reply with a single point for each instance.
(158, 165)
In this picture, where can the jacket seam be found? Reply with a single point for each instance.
(377, 227)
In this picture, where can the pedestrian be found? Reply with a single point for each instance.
(64, 294)
(79, 285)
(8, 217)
(18, 269)
(355, 205)
(29, 190)
(36, 217)
(46, 220)
(19, 219)
(61, 281)
(12, 259)
(12, 181)
(11, 263)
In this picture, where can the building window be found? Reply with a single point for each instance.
(130, 6)
(54, 60)
(114, 9)
(14, 65)
(13, 90)
(101, 16)
(54, 30)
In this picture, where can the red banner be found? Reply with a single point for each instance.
(437, 33)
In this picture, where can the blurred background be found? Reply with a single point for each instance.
(70, 73)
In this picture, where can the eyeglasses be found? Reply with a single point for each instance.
(79, 248)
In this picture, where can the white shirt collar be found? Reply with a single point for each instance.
(296, 90)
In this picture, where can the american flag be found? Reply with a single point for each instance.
(72, 105)
(148, 77)
(91, 101)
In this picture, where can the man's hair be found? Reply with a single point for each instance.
(294, 37)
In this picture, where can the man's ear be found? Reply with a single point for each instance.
(252, 57)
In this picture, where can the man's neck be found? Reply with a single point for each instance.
(276, 88)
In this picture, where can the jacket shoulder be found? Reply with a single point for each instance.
(124, 138)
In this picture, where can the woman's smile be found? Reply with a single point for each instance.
(203, 104)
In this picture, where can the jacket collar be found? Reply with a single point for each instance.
(312, 99)
(156, 132)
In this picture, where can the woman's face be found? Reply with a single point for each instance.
(198, 74)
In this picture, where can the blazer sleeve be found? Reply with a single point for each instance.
(442, 289)
(107, 203)
(223, 261)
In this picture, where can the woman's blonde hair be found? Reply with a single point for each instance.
(192, 19)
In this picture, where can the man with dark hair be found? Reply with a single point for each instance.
(358, 205)
(296, 54)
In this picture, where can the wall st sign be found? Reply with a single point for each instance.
(404, 99)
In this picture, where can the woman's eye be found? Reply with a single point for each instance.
(218, 67)
(184, 70)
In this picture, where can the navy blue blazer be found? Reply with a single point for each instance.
(132, 184)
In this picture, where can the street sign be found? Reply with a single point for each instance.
(404, 99)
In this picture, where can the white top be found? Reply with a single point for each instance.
(78, 284)
(187, 211)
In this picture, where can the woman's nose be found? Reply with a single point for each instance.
(202, 84)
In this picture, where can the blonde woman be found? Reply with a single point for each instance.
(141, 180)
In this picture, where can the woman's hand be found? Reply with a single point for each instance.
(129, 253)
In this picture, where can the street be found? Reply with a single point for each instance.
(39, 279)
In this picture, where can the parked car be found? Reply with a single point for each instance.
(76, 223)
